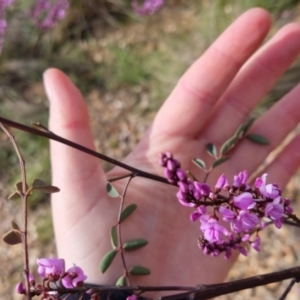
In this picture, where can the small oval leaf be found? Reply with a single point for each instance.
(50, 189)
(139, 270)
(14, 196)
(19, 187)
(211, 149)
(41, 186)
(228, 145)
(112, 192)
(134, 244)
(121, 281)
(199, 163)
(128, 211)
(38, 183)
(114, 237)
(107, 260)
(256, 138)
(239, 132)
(220, 161)
(12, 237)
(15, 226)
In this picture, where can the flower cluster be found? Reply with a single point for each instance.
(54, 275)
(243, 208)
(149, 7)
(46, 14)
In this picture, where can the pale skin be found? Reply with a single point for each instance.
(215, 95)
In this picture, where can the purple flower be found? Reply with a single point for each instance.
(149, 7)
(274, 210)
(182, 197)
(244, 201)
(202, 188)
(245, 221)
(227, 214)
(268, 190)
(221, 182)
(197, 214)
(20, 288)
(50, 266)
(212, 229)
(46, 15)
(75, 277)
(256, 244)
(240, 179)
(3, 24)
(132, 297)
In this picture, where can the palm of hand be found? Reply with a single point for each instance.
(208, 104)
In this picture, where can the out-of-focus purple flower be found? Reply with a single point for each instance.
(149, 7)
(221, 182)
(132, 297)
(197, 214)
(46, 14)
(268, 190)
(243, 251)
(3, 24)
(244, 201)
(53, 267)
(20, 288)
(202, 188)
(256, 243)
(274, 210)
(75, 277)
(212, 229)
(227, 214)
(245, 221)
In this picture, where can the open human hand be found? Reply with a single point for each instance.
(214, 96)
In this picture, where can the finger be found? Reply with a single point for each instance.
(286, 163)
(191, 102)
(275, 125)
(73, 172)
(253, 82)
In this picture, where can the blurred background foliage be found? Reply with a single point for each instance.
(124, 65)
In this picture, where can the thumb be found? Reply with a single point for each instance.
(78, 175)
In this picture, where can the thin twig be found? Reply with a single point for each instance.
(288, 289)
(24, 196)
(50, 135)
(120, 231)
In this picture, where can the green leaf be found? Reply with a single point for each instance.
(220, 161)
(12, 237)
(239, 132)
(114, 237)
(259, 139)
(248, 125)
(121, 281)
(112, 192)
(199, 163)
(127, 212)
(107, 260)
(14, 196)
(41, 186)
(211, 149)
(134, 244)
(139, 270)
(228, 145)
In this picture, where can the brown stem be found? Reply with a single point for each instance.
(24, 196)
(119, 229)
(50, 135)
